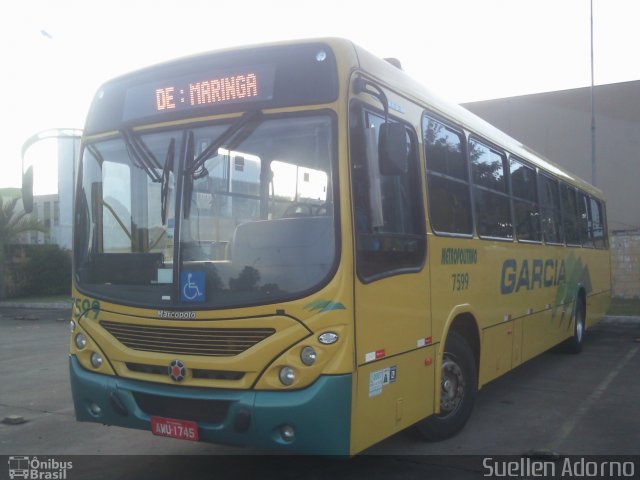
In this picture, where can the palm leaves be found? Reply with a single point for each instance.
(13, 224)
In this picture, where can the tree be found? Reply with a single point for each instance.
(12, 225)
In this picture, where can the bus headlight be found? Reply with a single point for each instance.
(80, 341)
(287, 375)
(308, 356)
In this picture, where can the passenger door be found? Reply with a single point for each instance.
(394, 386)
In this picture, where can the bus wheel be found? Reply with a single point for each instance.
(458, 389)
(575, 343)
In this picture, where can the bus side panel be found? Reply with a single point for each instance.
(391, 395)
(538, 336)
(599, 299)
(497, 345)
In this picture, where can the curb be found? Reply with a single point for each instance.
(41, 306)
(621, 319)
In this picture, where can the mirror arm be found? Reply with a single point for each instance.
(361, 85)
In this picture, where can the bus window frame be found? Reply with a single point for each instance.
(605, 223)
(588, 243)
(553, 178)
(507, 181)
(514, 199)
(428, 114)
(601, 213)
(577, 214)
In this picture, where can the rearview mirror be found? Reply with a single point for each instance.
(392, 149)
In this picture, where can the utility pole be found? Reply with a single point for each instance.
(593, 112)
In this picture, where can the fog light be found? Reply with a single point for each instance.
(287, 375)
(96, 360)
(287, 433)
(308, 356)
(81, 341)
(95, 409)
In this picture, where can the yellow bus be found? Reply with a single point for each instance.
(296, 247)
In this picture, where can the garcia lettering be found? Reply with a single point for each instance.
(531, 274)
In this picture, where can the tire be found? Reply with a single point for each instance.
(459, 387)
(576, 342)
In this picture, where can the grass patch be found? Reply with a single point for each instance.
(624, 306)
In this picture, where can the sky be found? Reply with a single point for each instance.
(56, 53)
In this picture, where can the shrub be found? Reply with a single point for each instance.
(48, 270)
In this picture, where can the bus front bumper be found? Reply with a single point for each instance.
(318, 415)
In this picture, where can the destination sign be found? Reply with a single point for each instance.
(199, 90)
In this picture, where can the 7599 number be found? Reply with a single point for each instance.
(460, 281)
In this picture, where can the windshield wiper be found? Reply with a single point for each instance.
(194, 166)
(143, 158)
(166, 172)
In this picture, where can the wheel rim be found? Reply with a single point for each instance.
(579, 327)
(452, 386)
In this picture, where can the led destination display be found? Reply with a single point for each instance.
(199, 90)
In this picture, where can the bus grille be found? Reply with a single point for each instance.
(197, 373)
(215, 342)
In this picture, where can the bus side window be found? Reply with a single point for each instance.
(525, 201)
(551, 213)
(586, 233)
(447, 178)
(598, 224)
(490, 191)
(570, 215)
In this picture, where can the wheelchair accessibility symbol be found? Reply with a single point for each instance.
(192, 287)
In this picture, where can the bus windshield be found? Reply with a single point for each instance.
(216, 215)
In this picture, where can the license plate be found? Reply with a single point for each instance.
(170, 427)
